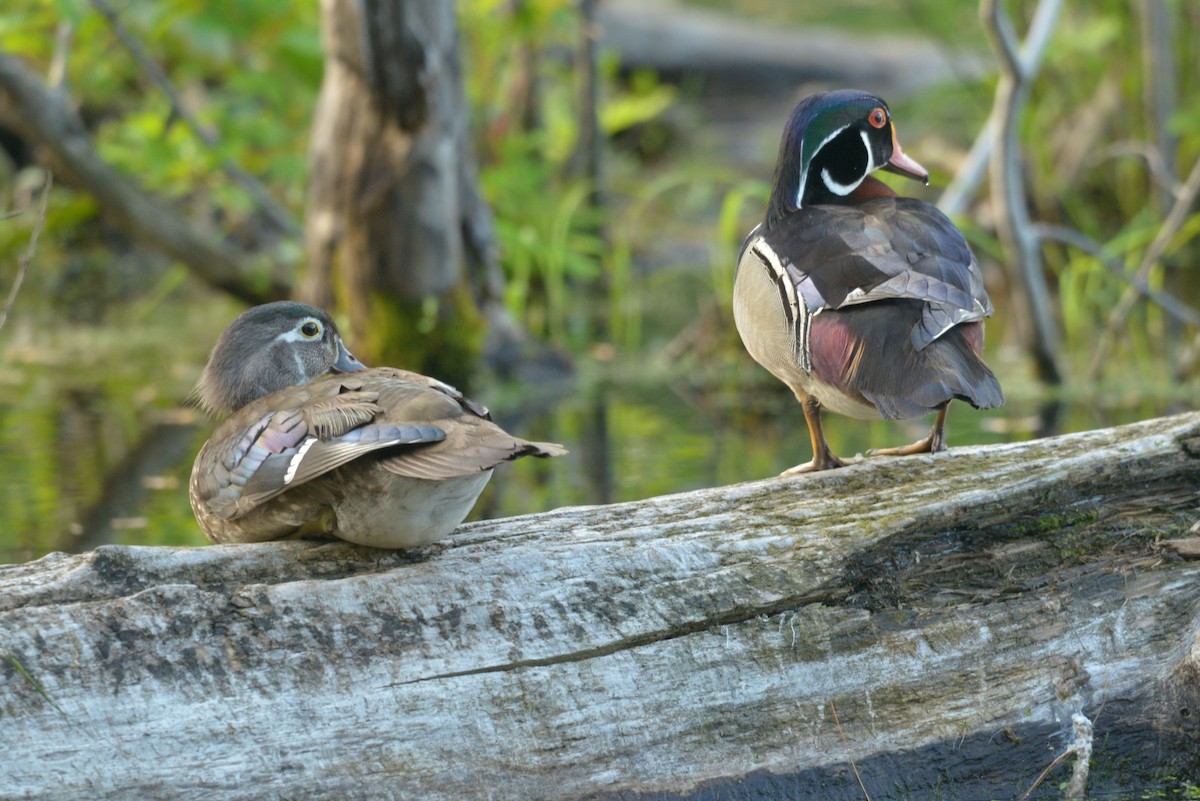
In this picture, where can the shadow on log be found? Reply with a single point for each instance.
(936, 621)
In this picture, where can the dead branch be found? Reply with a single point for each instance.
(1171, 225)
(43, 116)
(1072, 238)
(1158, 76)
(249, 184)
(39, 221)
(970, 174)
(1040, 331)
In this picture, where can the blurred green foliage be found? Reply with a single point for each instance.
(248, 70)
(637, 287)
(554, 240)
(250, 73)
(1086, 135)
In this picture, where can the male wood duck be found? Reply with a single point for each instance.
(318, 444)
(864, 303)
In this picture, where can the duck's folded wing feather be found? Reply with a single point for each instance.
(885, 248)
(284, 449)
(393, 379)
(472, 445)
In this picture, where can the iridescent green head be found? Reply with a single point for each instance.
(831, 142)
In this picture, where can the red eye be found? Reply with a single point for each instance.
(878, 118)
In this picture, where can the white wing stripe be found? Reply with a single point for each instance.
(294, 464)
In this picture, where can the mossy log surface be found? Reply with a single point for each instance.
(932, 621)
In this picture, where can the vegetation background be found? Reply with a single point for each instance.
(617, 261)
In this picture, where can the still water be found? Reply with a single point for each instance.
(96, 439)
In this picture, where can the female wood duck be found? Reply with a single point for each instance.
(319, 444)
(863, 303)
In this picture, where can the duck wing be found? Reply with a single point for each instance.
(472, 442)
(832, 257)
(288, 438)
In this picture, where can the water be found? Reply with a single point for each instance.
(95, 445)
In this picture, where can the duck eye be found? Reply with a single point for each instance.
(877, 118)
(311, 329)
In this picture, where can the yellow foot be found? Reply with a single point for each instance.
(827, 462)
(927, 445)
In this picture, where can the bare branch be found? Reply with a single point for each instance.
(966, 181)
(1040, 330)
(39, 221)
(1004, 38)
(1072, 238)
(249, 184)
(1158, 77)
(1154, 161)
(1023, 59)
(57, 75)
(1171, 225)
(958, 194)
(1045, 17)
(44, 117)
(1019, 234)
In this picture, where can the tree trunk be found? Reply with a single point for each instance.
(929, 623)
(394, 217)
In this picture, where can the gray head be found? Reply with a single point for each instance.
(268, 348)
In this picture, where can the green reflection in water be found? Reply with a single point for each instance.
(78, 402)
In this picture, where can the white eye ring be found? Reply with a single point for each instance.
(310, 328)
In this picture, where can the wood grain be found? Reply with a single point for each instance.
(693, 645)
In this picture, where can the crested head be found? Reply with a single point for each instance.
(269, 348)
(831, 142)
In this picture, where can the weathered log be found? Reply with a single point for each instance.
(733, 54)
(929, 622)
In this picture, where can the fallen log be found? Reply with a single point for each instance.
(734, 55)
(919, 624)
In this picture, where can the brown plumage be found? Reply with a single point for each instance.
(382, 457)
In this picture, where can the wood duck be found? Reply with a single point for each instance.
(318, 444)
(864, 303)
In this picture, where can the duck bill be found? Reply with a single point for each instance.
(901, 164)
(346, 363)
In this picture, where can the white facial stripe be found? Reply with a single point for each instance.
(804, 173)
(294, 464)
(870, 156)
(845, 189)
(836, 188)
(831, 184)
(293, 334)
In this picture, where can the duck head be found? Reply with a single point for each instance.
(268, 348)
(830, 144)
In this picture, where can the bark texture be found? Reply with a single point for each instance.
(394, 215)
(937, 620)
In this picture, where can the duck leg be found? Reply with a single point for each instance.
(823, 458)
(936, 441)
